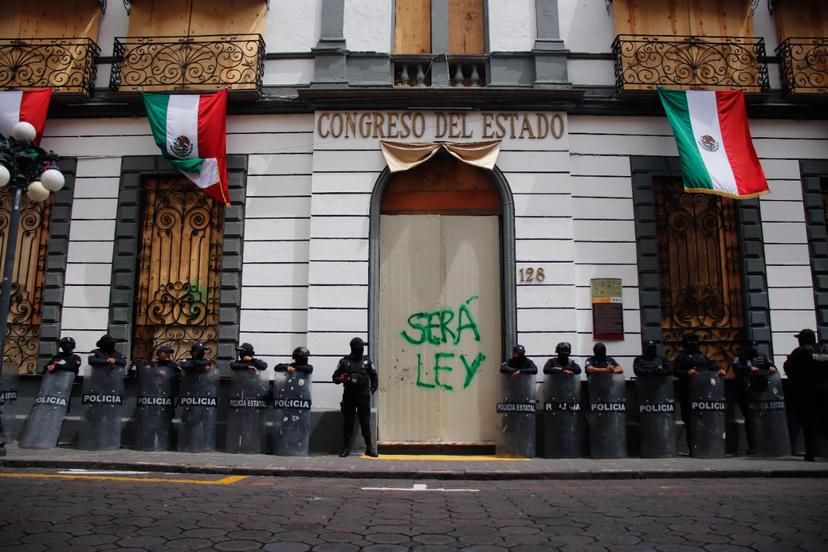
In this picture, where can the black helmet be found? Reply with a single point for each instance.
(67, 343)
(357, 347)
(106, 343)
(563, 348)
(197, 347)
(246, 349)
(357, 342)
(519, 349)
(688, 338)
(300, 354)
(164, 349)
(806, 336)
(648, 347)
(599, 350)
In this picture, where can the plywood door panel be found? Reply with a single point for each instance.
(801, 18)
(36, 19)
(412, 33)
(159, 18)
(721, 18)
(465, 21)
(10, 26)
(651, 17)
(440, 328)
(227, 17)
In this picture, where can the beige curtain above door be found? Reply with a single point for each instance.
(402, 156)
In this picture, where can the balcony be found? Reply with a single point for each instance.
(188, 63)
(644, 62)
(65, 64)
(415, 71)
(804, 65)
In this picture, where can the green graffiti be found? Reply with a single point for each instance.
(439, 327)
(435, 327)
(471, 369)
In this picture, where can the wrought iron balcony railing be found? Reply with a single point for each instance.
(804, 65)
(415, 71)
(643, 62)
(65, 64)
(203, 62)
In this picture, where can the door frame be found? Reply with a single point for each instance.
(508, 299)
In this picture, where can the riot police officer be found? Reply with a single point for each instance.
(752, 369)
(650, 363)
(357, 374)
(807, 370)
(519, 364)
(300, 362)
(247, 359)
(66, 359)
(562, 364)
(105, 354)
(687, 364)
(601, 363)
(197, 362)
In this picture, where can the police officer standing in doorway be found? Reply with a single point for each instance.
(357, 374)
(807, 370)
(519, 364)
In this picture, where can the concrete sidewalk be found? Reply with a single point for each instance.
(412, 467)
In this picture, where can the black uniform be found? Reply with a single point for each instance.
(644, 366)
(67, 361)
(600, 362)
(196, 364)
(686, 360)
(555, 365)
(807, 370)
(519, 364)
(256, 363)
(743, 365)
(360, 384)
(99, 357)
(304, 368)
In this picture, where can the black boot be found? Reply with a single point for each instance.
(345, 452)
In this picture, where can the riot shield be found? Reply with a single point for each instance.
(103, 395)
(768, 419)
(155, 407)
(42, 427)
(706, 393)
(198, 398)
(8, 403)
(292, 411)
(246, 412)
(607, 416)
(656, 416)
(516, 435)
(562, 420)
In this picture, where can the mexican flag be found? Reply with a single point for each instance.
(714, 143)
(190, 130)
(30, 106)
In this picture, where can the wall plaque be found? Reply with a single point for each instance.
(607, 309)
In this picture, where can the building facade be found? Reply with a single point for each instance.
(441, 268)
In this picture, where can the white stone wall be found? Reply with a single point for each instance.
(512, 25)
(369, 25)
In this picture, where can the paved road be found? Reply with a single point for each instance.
(188, 512)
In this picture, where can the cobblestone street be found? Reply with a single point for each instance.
(80, 511)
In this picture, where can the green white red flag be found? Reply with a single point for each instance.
(714, 143)
(191, 132)
(30, 106)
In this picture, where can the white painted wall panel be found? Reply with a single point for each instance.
(340, 227)
(543, 228)
(339, 297)
(784, 232)
(272, 141)
(599, 165)
(276, 252)
(789, 322)
(585, 25)
(604, 231)
(104, 166)
(338, 250)
(287, 72)
(334, 345)
(84, 318)
(780, 168)
(91, 230)
(623, 145)
(782, 211)
(528, 183)
(292, 26)
(297, 124)
(266, 207)
(275, 275)
(86, 296)
(603, 208)
(88, 274)
(783, 190)
(279, 164)
(788, 254)
(273, 320)
(362, 160)
(789, 276)
(512, 25)
(545, 296)
(94, 209)
(791, 298)
(601, 186)
(553, 320)
(344, 182)
(594, 252)
(586, 271)
(533, 161)
(90, 252)
(96, 187)
(541, 251)
(274, 298)
(278, 186)
(368, 25)
(341, 320)
(340, 273)
(591, 72)
(274, 344)
(543, 205)
(276, 229)
(341, 204)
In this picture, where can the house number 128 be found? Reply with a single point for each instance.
(531, 275)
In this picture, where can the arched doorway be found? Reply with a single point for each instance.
(440, 318)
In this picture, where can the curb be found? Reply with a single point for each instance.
(419, 474)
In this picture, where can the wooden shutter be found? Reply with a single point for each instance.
(23, 327)
(700, 268)
(227, 17)
(801, 18)
(412, 32)
(179, 265)
(465, 22)
(683, 17)
(50, 19)
(160, 18)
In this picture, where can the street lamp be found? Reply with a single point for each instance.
(23, 166)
